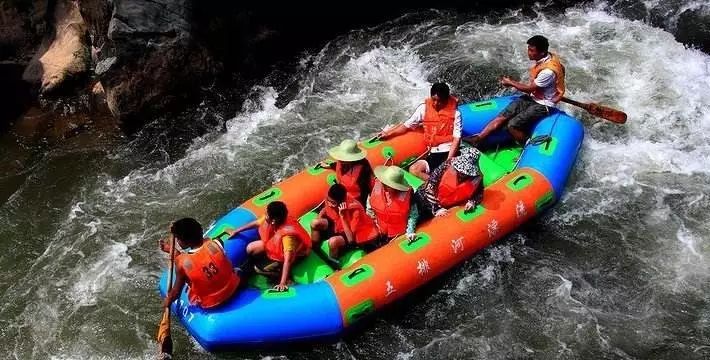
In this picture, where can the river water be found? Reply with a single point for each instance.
(619, 269)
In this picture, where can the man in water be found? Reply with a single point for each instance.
(545, 89)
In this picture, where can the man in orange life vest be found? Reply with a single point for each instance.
(343, 222)
(441, 121)
(352, 170)
(451, 184)
(545, 89)
(390, 203)
(282, 240)
(204, 267)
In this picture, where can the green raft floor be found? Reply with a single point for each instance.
(494, 164)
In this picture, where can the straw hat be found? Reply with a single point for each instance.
(347, 151)
(392, 176)
(467, 162)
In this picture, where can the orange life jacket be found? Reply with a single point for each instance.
(556, 66)
(362, 226)
(439, 125)
(451, 192)
(210, 275)
(349, 179)
(272, 238)
(391, 217)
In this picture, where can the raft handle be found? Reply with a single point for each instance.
(270, 194)
(519, 178)
(355, 273)
(488, 103)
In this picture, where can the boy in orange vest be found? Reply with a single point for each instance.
(441, 120)
(282, 240)
(545, 89)
(204, 266)
(343, 222)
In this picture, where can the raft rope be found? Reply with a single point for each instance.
(540, 139)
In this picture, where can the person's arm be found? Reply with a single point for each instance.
(431, 188)
(412, 219)
(477, 195)
(414, 121)
(456, 143)
(345, 215)
(174, 293)
(327, 165)
(526, 88)
(368, 208)
(248, 226)
(286, 271)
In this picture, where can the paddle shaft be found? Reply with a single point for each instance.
(165, 320)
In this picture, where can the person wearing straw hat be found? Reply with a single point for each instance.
(440, 119)
(352, 170)
(390, 203)
(204, 266)
(451, 184)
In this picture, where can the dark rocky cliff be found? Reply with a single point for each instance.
(136, 59)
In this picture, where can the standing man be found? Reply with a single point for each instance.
(441, 120)
(545, 89)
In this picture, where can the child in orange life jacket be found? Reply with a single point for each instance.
(390, 203)
(451, 184)
(352, 170)
(282, 240)
(441, 121)
(204, 267)
(343, 222)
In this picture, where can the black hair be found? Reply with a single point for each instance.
(539, 42)
(440, 89)
(277, 212)
(337, 192)
(188, 230)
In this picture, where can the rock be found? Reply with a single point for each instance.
(64, 54)
(693, 28)
(150, 58)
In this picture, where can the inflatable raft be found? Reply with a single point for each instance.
(519, 184)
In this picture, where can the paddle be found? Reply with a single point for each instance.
(601, 111)
(165, 341)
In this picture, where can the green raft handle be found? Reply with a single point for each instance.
(270, 194)
(518, 179)
(541, 139)
(219, 237)
(416, 238)
(488, 103)
(274, 291)
(355, 273)
(373, 139)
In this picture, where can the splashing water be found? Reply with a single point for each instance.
(619, 269)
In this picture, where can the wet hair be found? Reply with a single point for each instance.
(440, 89)
(188, 230)
(277, 212)
(539, 42)
(337, 192)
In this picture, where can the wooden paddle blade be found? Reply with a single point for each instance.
(607, 113)
(165, 341)
(166, 349)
